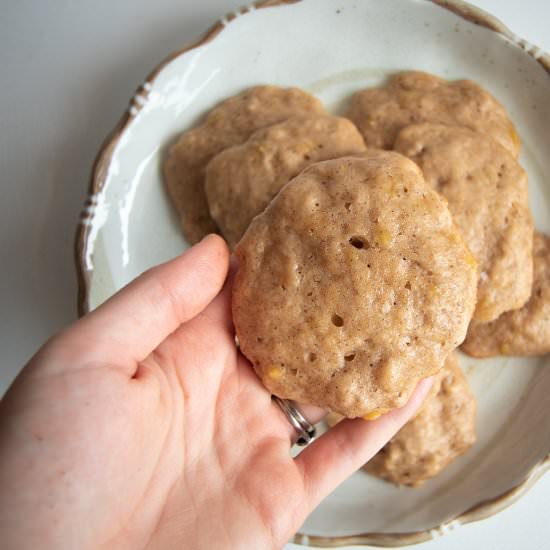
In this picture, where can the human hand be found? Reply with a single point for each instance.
(141, 426)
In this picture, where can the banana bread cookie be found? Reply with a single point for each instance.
(242, 180)
(414, 96)
(353, 285)
(522, 332)
(488, 198)
(228, 124)
(443, 429)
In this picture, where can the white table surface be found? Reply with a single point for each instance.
(68, 69)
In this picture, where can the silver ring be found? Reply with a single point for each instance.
(305, 430)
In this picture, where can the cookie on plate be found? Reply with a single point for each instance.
(228, 124)
(443, 429)
(522, 332)
(242, 180)
(487, 193)
(412, 97)
(352, 285)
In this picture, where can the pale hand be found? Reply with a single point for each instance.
(142, 427)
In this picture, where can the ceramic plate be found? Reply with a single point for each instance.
(332, 48)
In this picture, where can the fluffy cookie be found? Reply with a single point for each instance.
(333, 418)
(525, 331)
(413, 97)
(442, 430)
(242, 180)
(228, 124)
(487, 193)
(352, 285)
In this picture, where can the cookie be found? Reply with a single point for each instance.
(413, 97)
(525, 331)
(352, 285)
(332, 418)
(443, 429)
(228, 124)
(242, 180)
(488, 197)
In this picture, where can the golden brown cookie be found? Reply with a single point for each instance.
(443, 429)
(352, 285)
(522, 332)
(242, 180)
(333, 418)
(412, 97)
(488, 197)
(228, 124)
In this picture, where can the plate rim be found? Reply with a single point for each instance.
(460, 8)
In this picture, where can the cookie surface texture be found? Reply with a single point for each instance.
(352, 285)
(487, 193)
(228, 124)
(412, 97)
(242, 180)
(443, 429)
(525, 331)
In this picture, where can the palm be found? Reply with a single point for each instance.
(235, 468)
(107, 444)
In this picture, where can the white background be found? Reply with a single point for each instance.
(67, 72)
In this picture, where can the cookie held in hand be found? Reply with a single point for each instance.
(353, 285)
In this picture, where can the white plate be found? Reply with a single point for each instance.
(331, 48)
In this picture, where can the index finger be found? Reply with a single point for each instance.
(342, 450)
(131, 324)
